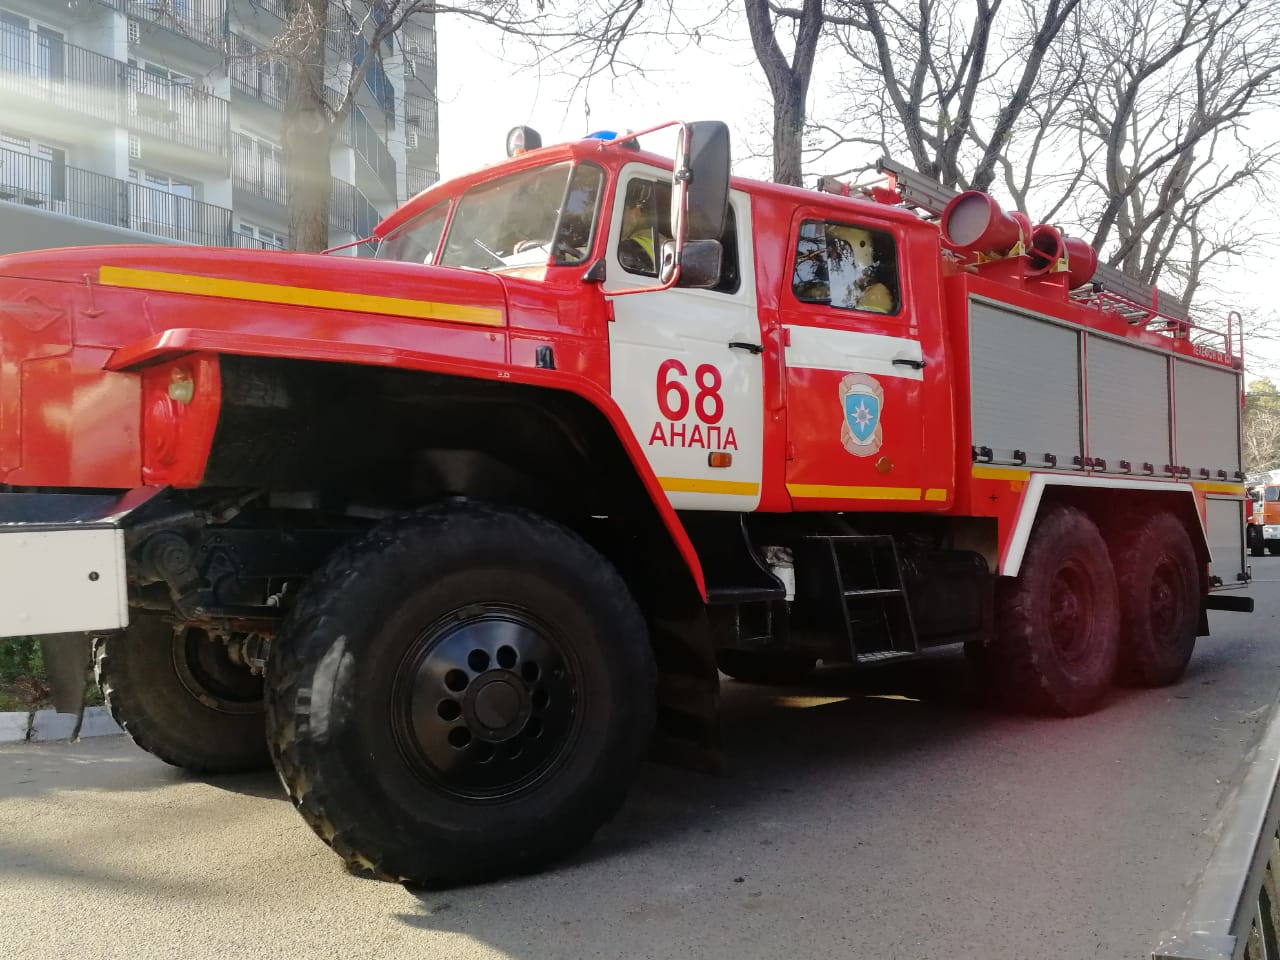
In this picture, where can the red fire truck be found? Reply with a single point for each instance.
(456, 534)
(1263, 531)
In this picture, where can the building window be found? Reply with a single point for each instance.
(30, 48)
(31, 172)
(846, 266)
(165, 205)
(264, 238)
(259, 164)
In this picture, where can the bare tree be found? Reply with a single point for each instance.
(788, 79)
(955, 74)
(1261, 427)
(1160, 111)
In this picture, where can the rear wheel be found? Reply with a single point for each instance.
(1159, 602)
(774, 667)
(182, 697)
(1057, 622)
(463, 693)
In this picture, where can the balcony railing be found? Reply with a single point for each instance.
(368, 144)
(418, 41)
(255, 74)
(61, 188)
(420, 115)
(245, 242)
(203, 21)
(340, 28)
(176, 111)
(419, 178)
(263, 178)
(351, 211)
(43, 66)
(278, 7)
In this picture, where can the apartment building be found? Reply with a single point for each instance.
(162, 119)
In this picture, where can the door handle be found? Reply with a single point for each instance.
(743, 345)
(904, 362)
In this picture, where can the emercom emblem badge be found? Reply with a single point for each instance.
(862, 400)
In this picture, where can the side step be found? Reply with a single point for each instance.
(853, 588)
(885, 656)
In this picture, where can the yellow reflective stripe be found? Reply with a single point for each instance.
(645, 239)
(737, 488)
(1235, 489)
(935, 494)
(826, 491)
(1000, 473)
(296, 296)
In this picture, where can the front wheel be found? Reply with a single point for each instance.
(1057, 623)
(463, 693)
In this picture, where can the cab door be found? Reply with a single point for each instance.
(861, 359)
(685, 364)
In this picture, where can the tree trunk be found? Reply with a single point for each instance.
(308, 128)
(788, 134)
(788, 82)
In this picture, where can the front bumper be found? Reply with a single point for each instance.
(62, 562)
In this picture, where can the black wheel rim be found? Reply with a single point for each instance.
(205, 668)
(1071, 601)
(485, 702)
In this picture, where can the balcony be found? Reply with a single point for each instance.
(262, 177)
(177, 112)
(277, 7)
(420, 117)
(339, 30)
(376, 80)
(245, 242)
(350, 210)
(42, 66)
(369, 145)
(418, 41)
(61, 188)
(201, 21)
(418, 179)
(256, 75)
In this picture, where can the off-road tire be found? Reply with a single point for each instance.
(1057, 623)
(1253, 535)
(206, 719)
(341, 723)
(766, 668)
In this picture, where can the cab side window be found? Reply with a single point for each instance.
(646, 226)
(846, 266)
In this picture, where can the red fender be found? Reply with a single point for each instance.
(178, 341)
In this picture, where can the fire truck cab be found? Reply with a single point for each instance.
(1263, 532)
(456, 535)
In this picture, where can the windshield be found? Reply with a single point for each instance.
(419, 239)
(525, 219)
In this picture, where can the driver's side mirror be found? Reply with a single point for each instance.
(699, 266)
(704, 162)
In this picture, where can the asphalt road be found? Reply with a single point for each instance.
(889, 817)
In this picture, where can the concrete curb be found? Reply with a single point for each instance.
(49, 726)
